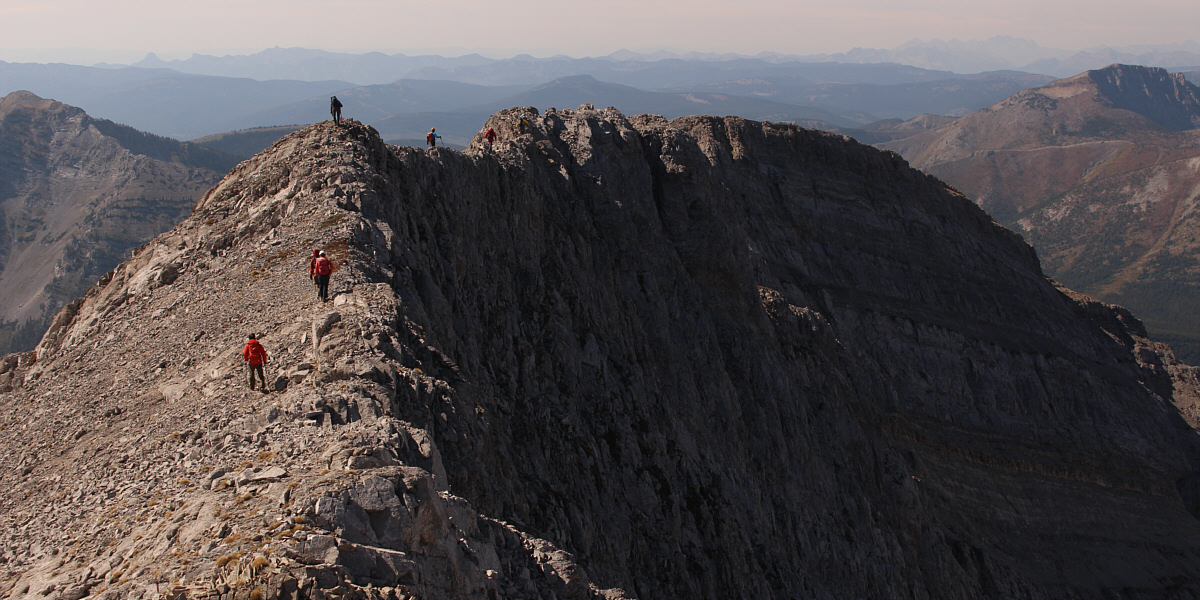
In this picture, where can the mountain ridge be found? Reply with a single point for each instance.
(616, 357)
(1097, 171)
(76, 194)
(1176, 105)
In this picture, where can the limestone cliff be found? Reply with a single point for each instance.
(616, 357)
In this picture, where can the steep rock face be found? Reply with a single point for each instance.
(1165, 98)
(76, 194)
(617, 357)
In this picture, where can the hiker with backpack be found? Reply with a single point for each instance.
(255, 355)
(322, 267)
(335, 108)
(432, 137)
(312, 265)
(490, 136)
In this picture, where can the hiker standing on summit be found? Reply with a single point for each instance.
(322, 267)
(432, 137)
(490, 136)
(335, 109)
(255, 355)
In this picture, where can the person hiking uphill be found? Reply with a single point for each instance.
(335, 108)
(255, 355)
(312, 265)
(490, 136)
(432, 137)
(322, 268)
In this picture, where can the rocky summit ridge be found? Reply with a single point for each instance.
(617, 357)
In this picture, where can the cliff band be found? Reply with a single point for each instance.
(618, 357)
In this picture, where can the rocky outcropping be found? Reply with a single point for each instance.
(616, 357)
(1165, 98)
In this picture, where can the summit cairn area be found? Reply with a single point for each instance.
(615, 357)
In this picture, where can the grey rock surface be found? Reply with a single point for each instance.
(617, 357)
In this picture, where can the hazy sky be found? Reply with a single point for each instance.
(89, 31)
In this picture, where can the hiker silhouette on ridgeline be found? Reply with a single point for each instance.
(321, 268)
(335, 109)
(432, 137)
(490, 136)
(255, 355)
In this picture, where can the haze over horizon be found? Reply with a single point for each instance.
(124, 31)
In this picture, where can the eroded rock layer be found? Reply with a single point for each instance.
(614, 357)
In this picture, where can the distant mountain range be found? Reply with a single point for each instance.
(162, 101)
(405, 95)
(956, 96)
(76, 194)
(187, 106)
(667, 69)
(1100, 172)
(1004, 52)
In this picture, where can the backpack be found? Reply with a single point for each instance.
(324, 267)
(254, 353)
(429, 138)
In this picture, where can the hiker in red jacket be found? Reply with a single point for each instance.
(312, 265)
(322, 267)
(255, 355)
(490, 136)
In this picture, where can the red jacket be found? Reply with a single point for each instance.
(254, 353)
(323, 266)
(312, 263)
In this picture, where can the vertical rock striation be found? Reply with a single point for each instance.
(618, 357)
